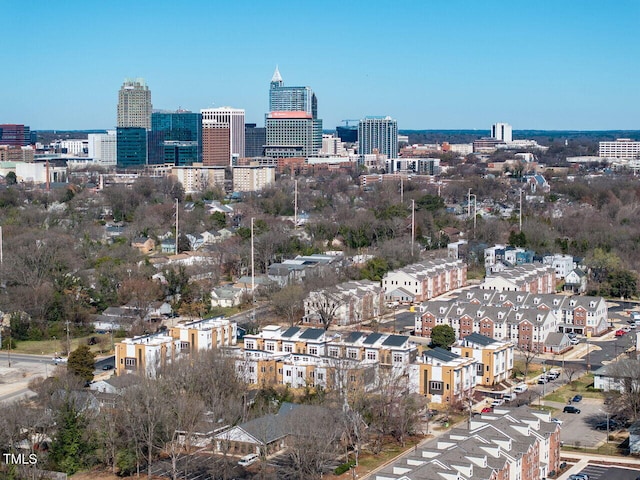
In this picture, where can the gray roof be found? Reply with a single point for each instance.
(372, 338)
(395, 341)
(441, 354)
(353, 337)
(312, 334)
(479, 339)
(290, 332)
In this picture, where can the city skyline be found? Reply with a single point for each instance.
(429, 65)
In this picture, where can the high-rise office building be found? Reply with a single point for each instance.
(102, 147)
(293, 128)
(378, 133)
(255, 139)
(175, 137)
(502, 131)
(15, 135)
(131, 145)
(134, 104)
(292, 134)
(222, 136)
(291, 99)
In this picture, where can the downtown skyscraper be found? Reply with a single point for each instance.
(134, 121)
(379, 134)
(134, 104)
(222, 136)
(292, 124)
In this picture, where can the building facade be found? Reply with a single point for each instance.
(131, 147)
(102, 148)
(378, 134)
(494, 358)
(502, 132)
(291, 99)
(424, 280)
(147, 354)
(15, 135)
(255, 139)
(253, 178)
(621, 148)
(222, 136)
(134, 104)
(175, 138)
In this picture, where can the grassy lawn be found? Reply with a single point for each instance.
(578, 386)
(604, 449)
(50, 347)
(535, 369)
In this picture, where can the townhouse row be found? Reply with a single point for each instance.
(523, 318)
(300, 357)
(503, 445)
(146, 354)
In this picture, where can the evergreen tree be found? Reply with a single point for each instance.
(442, 336)
(82, 363)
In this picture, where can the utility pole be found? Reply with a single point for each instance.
(253, 274)
(413, 224)
(295, 204)
(475, 200)
(401, 191)
(177, 226)
(469, 203)
(520, 211)
(68, 338)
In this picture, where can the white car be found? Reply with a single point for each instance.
(556, 420)
(248, 459)
(497, 402)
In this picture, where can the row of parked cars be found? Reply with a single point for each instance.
(547, 377)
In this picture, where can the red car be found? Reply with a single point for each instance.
(487, 410)
(620, 333)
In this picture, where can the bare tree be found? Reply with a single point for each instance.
(626, 372)
(528, 355)
(288, 303)
(313, 442)
(324, 304)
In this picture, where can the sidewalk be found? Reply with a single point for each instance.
(594, 459)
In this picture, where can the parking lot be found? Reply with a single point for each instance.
(578, 428)
(600, 472)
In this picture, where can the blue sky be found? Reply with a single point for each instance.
(432, 64)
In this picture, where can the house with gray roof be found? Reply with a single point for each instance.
(521, 444)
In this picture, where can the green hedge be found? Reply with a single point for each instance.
(345, 467)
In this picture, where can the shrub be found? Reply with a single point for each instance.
(345, 467)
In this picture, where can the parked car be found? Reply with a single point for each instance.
(497, 402)
(487, 410)
(248, 459)
(613, 425)
(509, 397)
(576, 398)
(520, 388)
(570, 409)
(556, 420)
(620, 333)
(574, 341)
(542, 380)
(579, 476)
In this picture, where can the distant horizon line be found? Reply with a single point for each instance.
(572, 130)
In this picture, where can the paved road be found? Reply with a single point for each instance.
(601, 472)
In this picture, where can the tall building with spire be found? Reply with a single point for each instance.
(134, 104)
(292, 125)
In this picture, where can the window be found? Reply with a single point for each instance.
(288, 348)
(263, 369)
(129, 362)
(397, 358)
(280, 371)
(270, 347)
(300, 374)
(435, 386)
(287, 373)
(321, 376)
(313, 350)
(333, 352)
(252, 369)
(352, 353)
(371, 355)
